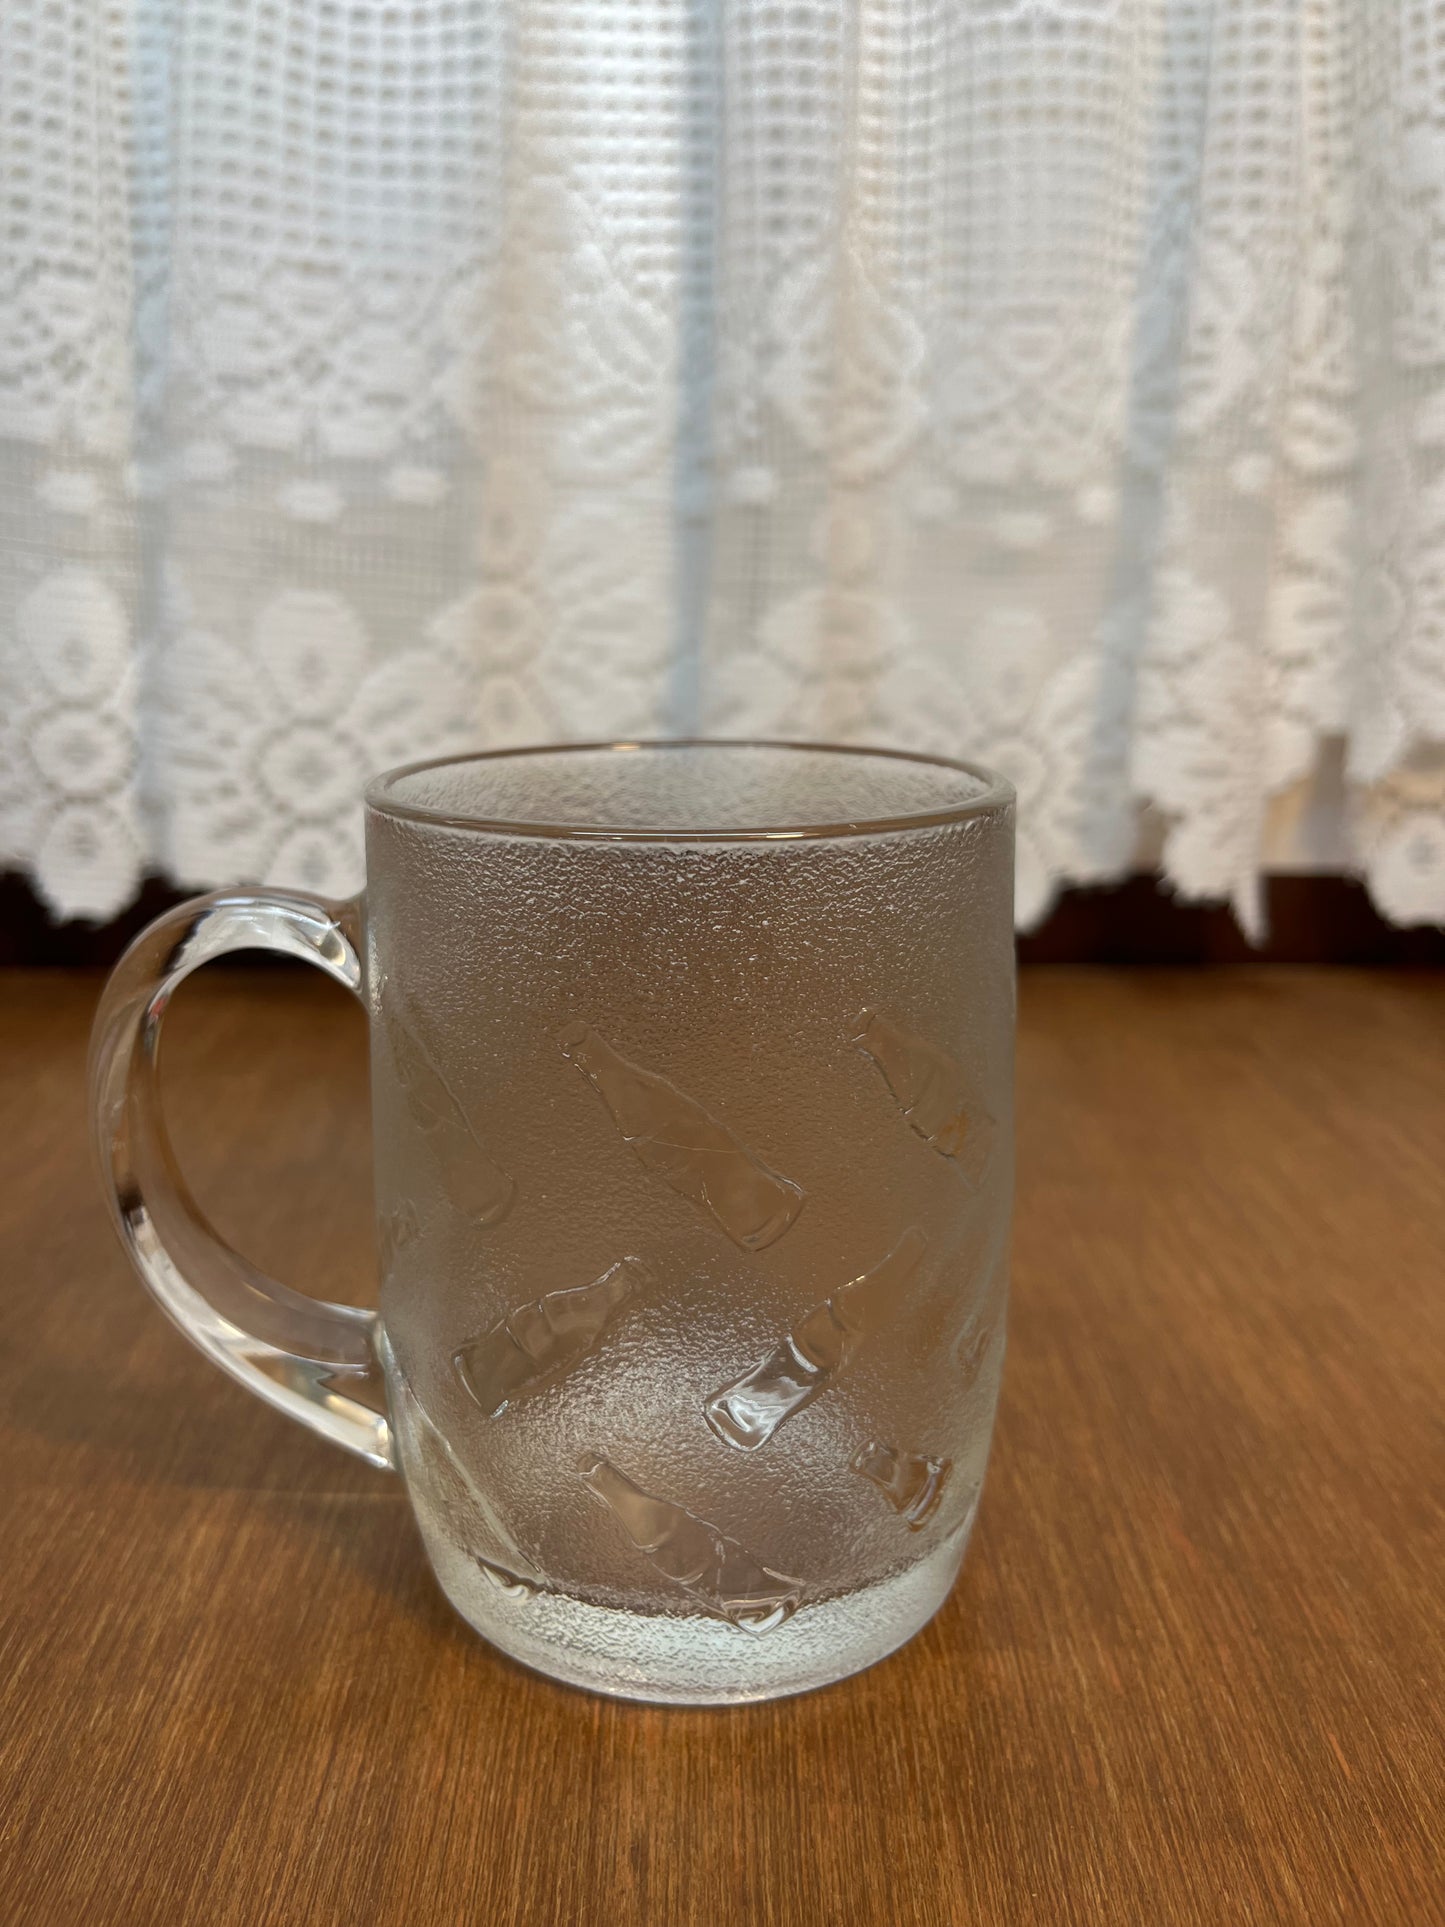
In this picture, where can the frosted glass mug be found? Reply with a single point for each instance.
(691, 1081)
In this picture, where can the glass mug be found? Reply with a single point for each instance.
(692, 1082)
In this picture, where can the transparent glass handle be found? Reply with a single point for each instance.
(314, 1360)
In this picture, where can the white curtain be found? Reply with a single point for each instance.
(1059, 383)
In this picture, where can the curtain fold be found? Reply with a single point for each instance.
(1059, 383)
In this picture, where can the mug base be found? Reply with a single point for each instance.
(692, 1659)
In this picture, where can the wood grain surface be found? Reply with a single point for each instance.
(1194, 1671)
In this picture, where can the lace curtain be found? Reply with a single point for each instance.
(1059, 383)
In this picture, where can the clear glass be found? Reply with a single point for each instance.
(692, 1072)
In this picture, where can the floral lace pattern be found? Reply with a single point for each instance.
(1059, 383)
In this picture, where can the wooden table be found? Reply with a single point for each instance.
(1192, 1672)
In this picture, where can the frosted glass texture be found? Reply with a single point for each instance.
(692, 1082)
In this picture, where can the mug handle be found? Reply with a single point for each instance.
(316, 1361)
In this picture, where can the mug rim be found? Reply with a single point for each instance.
(997, 792)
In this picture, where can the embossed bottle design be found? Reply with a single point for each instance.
(748, 1412)
(396, 1230)
(472, 1180)
(684, 1145)
(720, 1575)
(537, 1342)
(912, 1484)
(458, 1505)
(931, 1090)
